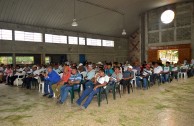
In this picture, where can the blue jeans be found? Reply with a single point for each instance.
(89, 84)
(64, 91)
(90, 93)
(165, 77)
(47, 84)
(138, 79)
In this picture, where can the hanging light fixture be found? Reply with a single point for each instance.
(74, 23)
(124, 32)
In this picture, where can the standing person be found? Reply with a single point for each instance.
(50, 78)
(100, 81)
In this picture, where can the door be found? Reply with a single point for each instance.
(82, 58)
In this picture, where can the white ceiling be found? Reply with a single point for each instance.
(58, 14)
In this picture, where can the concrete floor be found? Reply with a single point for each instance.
(166, 105)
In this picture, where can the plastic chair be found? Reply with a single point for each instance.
(99, 95)
(41, 84)
(134, 77)
(115, 88)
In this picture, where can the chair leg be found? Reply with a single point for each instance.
(106, 96)
(99, 99)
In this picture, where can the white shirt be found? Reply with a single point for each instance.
(166, 69)
(158, 69)
(36, 72)
(101, 80)
(174, 68)
(146, 72)
(192, 61)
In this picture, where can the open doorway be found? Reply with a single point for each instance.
(168, 55)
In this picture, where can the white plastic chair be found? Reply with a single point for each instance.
(41, 84)
(134, 77)
(19, 80)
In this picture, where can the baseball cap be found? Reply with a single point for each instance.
(130, 66)
(81, 64)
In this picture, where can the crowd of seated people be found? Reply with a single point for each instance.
(60, 79)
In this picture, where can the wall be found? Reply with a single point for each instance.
(117, 53)
(134, 48)
(180, 31)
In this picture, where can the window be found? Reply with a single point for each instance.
(5, 34)
(93, 42)
(73, 40)
(108, 43)
(28, 36)
(5, 60)
(24, 59)
(47, 60)
(82, 41)
(55, 38)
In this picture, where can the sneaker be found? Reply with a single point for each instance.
(82, 107)
(50, 96)
(44, 94)
(59, 102)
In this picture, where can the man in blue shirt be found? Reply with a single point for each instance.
(74, 80)
(51, 78)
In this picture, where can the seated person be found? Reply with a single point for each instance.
(157, 72)
(56, 69)
(50, 78)
(144, 77)
(88, 79)
(127, 77)
(74, 81)
(100, 81)
(109, 71)
(137, 67)
(66, 75)
(19, 74)
(166, 72)
(1, 73)
(116, 77)
(175, 71)
(32, 77)
(8, 73)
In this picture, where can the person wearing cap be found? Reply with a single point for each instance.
(87, 80)
(74, 81)
(144, 76)
(64, 80)
(127, 77)
(101, 80)
(50, 78)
